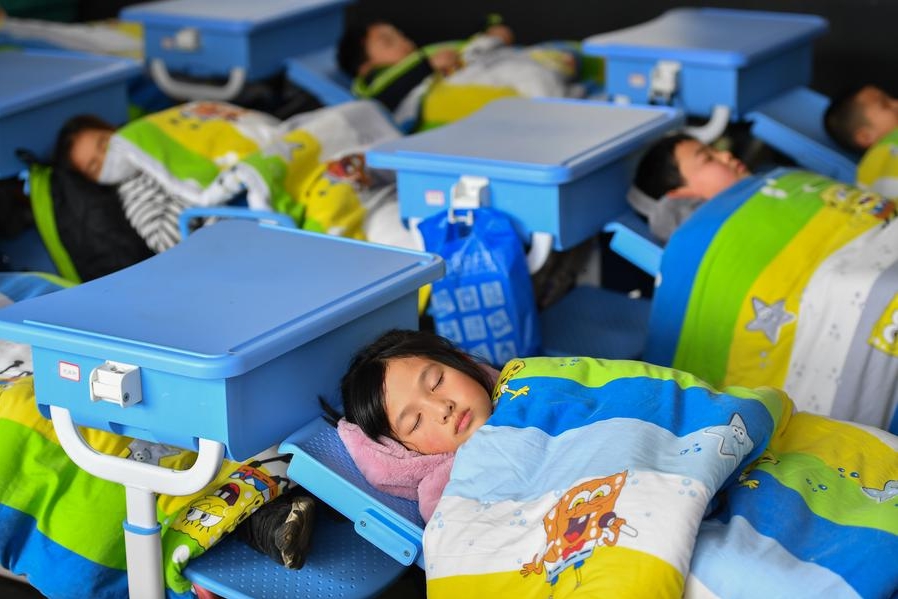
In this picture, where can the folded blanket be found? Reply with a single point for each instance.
(592, 479)
(878, 168)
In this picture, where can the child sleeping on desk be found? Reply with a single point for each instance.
(430, 86)
(865, 120)
(207, 153)
(600, 477)
(784, 279)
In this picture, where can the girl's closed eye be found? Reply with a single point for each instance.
(417, 422)
(437, 384)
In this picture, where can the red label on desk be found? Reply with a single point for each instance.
(69, 371)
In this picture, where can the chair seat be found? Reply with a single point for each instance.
(340, 564)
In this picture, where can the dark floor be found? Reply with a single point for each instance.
(410, 586)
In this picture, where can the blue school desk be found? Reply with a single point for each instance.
(230, 39)
(42, 89)
(223, 343)
(558, 168)
(702, 58)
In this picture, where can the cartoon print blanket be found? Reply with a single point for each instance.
(592, 479)
(878, 167)
(788, 280)
(206, 153)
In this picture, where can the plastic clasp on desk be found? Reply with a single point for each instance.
(116, 383)
(663, 81)
(185, 40)
(468, 194)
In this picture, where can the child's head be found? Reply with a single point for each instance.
(861, 117)
(417, 388)
(376, 44)
(680, 166)
(82, 143)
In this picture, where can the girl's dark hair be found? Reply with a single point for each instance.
(65, 139)
(363, 384)
(351, 53)
(658, 171)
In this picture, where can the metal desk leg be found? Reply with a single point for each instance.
(143, 545)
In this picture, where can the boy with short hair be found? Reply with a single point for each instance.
(866, 120)
(680, 174)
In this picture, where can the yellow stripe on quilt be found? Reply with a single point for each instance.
(765, 327)
(619, 572)
(208, 129)
(17, 404)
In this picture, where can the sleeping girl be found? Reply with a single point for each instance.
(623, 479)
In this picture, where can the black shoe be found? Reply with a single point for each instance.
(294, 535)
(281, 529)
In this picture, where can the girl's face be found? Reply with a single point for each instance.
(706, 171)
(89, 151)
(431, 407)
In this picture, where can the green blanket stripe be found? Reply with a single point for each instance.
(836, 499)
(601, 372)
(172, 543)
(273, 170)
(699, 350)
(181, 162)
(75, 528)
(45, 220)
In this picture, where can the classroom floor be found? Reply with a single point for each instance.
(410, 586)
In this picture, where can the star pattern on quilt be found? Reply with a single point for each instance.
(734, 439)
(769, 318)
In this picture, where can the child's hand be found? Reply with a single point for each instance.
(445, 61)
(503, 32)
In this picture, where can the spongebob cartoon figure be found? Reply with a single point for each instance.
(582, 520)
(510, 370)
(204, 515)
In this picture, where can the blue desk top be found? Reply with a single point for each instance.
(229, 298)
(32, 78)
(535, 141)
(720, 37)
(231, 15)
